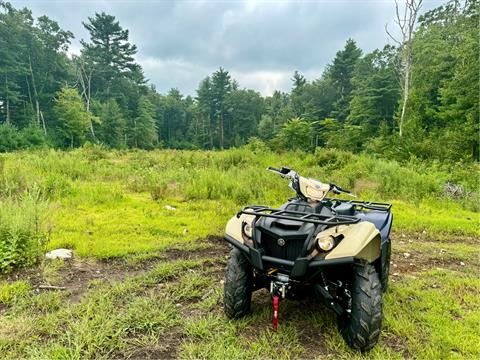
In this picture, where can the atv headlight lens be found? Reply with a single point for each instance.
(326, 243)
(247, 230)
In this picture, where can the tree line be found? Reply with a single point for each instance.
(48, 98)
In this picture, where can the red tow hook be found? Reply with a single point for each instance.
(275, 312)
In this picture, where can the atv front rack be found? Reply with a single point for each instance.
(318, 219)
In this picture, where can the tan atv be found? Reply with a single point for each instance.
(336, 250)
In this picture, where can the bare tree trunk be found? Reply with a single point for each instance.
(85, 81)
(7, 120)
(406, 90)
(8, 111)
(35, 93)
(406, 19)
(221, 131)
(43, 123)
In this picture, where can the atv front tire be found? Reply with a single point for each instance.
(238, 285)
(361, 328)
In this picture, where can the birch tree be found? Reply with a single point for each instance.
(406, 18)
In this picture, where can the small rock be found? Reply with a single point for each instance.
(403, 236)
(435, 286)
(424, 231)
(395, 265)
(170, 208)
(442, 251)
(59, 254)
(406, 255)
(185, 231)
(395, 274)
(462, 263)
(411, 264)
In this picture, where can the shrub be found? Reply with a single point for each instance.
(22, 231)
(8, 138)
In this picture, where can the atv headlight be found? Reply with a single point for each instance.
(247, 230)
(326, 243)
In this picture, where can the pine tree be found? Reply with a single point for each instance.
(375, 95)
(144, 131)
(112, 127)
(221, 86)
(109, 55)
(298, 101)
(340, 73)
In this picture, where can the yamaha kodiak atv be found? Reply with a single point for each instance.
(336, 250)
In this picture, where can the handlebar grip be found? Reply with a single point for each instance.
(344, 190)
(273, 169)
(336, 188)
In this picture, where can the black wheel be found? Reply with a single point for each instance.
(361, 327)
(386, 269)
(237, 295)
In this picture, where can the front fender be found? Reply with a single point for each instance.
(361, 241)
(234, 226)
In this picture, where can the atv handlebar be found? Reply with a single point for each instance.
(338, 190)
(292, 175)
(284, 171)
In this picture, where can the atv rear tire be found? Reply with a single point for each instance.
(238, 285)
(361, 328)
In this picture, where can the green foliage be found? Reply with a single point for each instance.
(144, 127)
(295, 134)
(353, 105)
(9, 139)
(22, 231)
(73, 120)
(113, 126)
(12, 139)
(265, 128)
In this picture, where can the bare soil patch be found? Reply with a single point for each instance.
(75, 275)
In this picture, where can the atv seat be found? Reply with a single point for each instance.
(344, 209)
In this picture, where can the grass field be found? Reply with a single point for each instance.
(146, 281)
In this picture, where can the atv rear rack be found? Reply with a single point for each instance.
(319, 219)
(359, 205)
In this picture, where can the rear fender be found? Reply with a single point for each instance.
(360, 241)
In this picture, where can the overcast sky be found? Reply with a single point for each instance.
(260, 42)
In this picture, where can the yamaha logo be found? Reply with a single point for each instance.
(281, 242)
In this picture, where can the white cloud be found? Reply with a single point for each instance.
(260, 42)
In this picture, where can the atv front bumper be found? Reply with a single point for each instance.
(297, 268)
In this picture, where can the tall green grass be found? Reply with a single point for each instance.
(108, 203)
